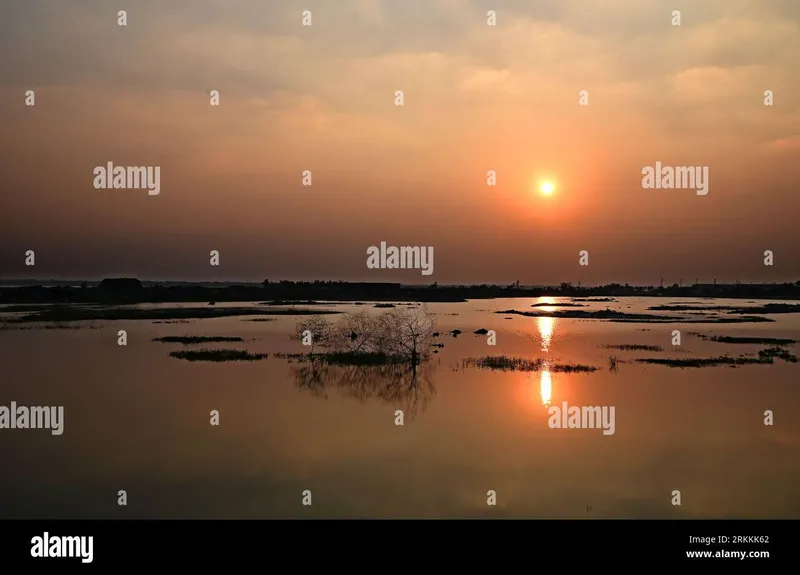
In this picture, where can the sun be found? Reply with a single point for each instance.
(547, 188)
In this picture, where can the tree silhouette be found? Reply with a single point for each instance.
(405, 332)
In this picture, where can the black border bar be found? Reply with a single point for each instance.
(405, 544)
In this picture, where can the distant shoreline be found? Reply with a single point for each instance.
(131, 291)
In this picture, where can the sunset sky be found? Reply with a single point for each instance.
(477, 98)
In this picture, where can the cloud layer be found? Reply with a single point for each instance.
(477, 98)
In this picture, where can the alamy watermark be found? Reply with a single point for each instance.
(404, 257)
(128, 178)
(583, 417)
(681, 177)
(36, 417)
(78, 547)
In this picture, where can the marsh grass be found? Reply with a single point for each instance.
(768, 308)
(71, 313)
(634, 347)
(218, 355)
(506, 363)
(704, 362)
(745, 340)
(622, 317)
(345, 358)
(778, 352)
(195, 339)
(289, 302)
(765, 357)
(10, 326)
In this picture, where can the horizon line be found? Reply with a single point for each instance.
(34, 281)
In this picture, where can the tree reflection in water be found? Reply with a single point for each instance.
(407, 386)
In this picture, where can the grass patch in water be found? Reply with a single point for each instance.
(622, 317)
(8, 326)
(768, 308)
(506, 363)
(195, 339)
(70, 313)
(345, 358)
(745, 340)
(218, 355)
(778, 352)
(765, 357)
(634, 347)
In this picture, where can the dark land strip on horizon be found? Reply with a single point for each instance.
(132, 291)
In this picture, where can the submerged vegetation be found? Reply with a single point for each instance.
(745, 340)
(506, 363)
(585, 314)
(779, 353)
(765, 356)
(402, 332)
(195, 339)
(702, 362)
(634, 347)
(769, 308)
(623, 317)
(369, 354)
(72, 313)
(9, 326)
(218, 355)
(344, 358)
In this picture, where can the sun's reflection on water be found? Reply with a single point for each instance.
(545, 387)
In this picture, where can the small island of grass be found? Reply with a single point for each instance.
(218, 355)
(195, 339)
(506, 363)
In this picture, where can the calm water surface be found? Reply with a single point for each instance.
(138, 420)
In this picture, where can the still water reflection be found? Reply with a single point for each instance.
(546, 388)
(137, 419)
